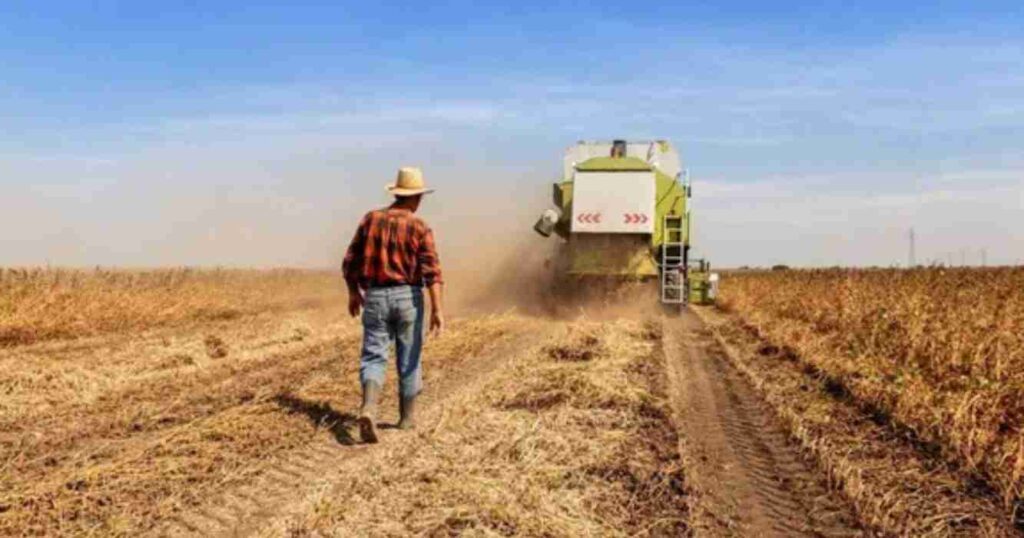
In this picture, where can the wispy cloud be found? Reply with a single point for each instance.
(375, 116)
(802, 221)
(823, 155)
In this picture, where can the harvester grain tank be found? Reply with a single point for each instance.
(622, 210)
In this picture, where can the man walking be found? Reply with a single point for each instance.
(390, 259)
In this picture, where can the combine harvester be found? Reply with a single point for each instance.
(623, 211)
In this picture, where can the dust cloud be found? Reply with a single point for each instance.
(224, 209)
(492, 260)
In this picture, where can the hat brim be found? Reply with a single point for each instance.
(398, 191)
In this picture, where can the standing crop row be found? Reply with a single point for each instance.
(939, 350)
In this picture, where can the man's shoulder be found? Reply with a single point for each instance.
(374, 214)
(383, 213)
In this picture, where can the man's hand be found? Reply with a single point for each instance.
(355, 301)
(436, 322)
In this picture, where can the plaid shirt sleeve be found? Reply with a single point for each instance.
(351, 268)
(426, 257)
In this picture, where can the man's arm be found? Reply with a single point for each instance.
(431, 266)
(352, 267)
(436, 308)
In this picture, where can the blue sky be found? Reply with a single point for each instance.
(252, 133)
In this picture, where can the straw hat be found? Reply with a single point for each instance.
(409, 182)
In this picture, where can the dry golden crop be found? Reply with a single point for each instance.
(940, 351)
(42, 304)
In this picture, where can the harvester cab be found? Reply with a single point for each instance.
(622, 211)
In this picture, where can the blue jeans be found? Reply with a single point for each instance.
(393, 315)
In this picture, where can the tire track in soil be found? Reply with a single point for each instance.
(291, 486)
(751, 480)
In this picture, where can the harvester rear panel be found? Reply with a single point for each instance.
(612, 206)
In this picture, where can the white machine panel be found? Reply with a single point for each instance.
(613, 202)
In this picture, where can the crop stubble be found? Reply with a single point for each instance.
(108, 434)
(572, 438)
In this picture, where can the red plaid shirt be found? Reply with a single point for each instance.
(392, 246)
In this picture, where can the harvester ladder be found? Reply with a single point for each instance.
(673, 261)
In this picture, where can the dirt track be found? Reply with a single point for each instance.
(751, 480)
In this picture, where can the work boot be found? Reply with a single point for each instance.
(407, 408)
(368, 412)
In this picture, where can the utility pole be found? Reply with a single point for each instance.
(984, 257)
(911, 259)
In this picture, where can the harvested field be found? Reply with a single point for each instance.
(109, 434)
(547, 446)
(43, 304)
(606, 420)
